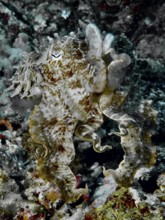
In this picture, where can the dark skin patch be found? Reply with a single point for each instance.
(85, 101)
(53, 122)
(60, 148)
(69, 73)
(78, 54)
(84, 46)
(75, 85)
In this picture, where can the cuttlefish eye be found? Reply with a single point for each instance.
(56, 55)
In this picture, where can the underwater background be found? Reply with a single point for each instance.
(138, 30)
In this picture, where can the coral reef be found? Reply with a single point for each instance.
(127, 126)
(121, 205)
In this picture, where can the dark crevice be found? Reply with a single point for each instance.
(18, 14)
(150, 185)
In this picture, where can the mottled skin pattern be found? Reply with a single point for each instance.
(53, 121)
(66, 99)
(76, 92)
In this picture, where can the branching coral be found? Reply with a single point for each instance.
(79, 81)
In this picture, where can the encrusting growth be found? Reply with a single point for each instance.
(78, 87)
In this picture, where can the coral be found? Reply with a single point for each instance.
(6, 123)
(43, 193)
(12, 155)
(121, 205)
(78, 214)
(28, 214)
(79, 81)
(11, 197)
(161, 182)
(104, 191)
(159, 193)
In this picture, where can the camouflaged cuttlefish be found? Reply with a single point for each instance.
(77, 87)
